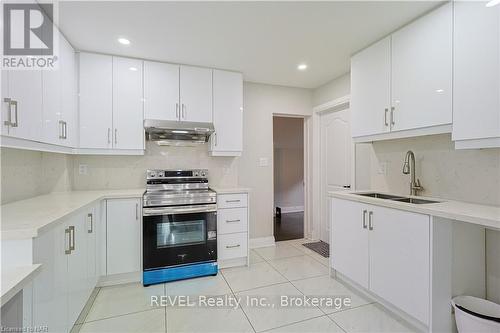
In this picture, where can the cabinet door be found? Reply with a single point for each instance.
(422, 71)
(52, 109)
(25, 87)
(50, 286)
(6, 110)
(123, 234)
(128, 128)
(95, 100)
(399, 260)
(371, 89)
(91, 231)
(227, 113)
(476, 106)
(78, 292)
(161, 91)
(350, 240)
(196, 94)
(69, 100)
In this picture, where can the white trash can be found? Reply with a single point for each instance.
(476, 315)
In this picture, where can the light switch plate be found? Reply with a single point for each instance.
(382, 168)
(263, 161)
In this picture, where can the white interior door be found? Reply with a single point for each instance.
(335, 156)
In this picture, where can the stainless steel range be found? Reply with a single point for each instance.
(179, 226)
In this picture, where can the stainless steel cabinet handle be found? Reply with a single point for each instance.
(65, 130)
(370, 221)
(183, 111)
(90, 218)
(393, 121)
(8, 122)
(215, 137)
(72, 238)
(385, 117)
(68, 249)
(137, 211)
(232, 246)
(109, 135)
(116, 136)
(238, 200)
(233, 221)
(177, 110)
(61, 129)
(364, 218)
(14, 104)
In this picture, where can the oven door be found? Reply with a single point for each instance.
(179, 235)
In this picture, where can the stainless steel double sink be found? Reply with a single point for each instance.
(415, 201)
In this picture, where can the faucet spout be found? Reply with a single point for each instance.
(409, 169)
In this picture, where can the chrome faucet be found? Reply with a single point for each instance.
(409, 169)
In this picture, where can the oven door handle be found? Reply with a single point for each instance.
(179, 210)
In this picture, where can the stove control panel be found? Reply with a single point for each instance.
(165, 174)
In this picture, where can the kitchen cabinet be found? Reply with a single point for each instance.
(91, 227)
(386, 251)
(161, 91)
(422, 72)
(23, 108)
(232, 229)
(476, 84)
(195, 94)
(350, 240)
(60, 99)
(227, 139)
(371, 89)
(96, 100)
(402, 85)
(128, 130)
(123, 236)
(67, 253)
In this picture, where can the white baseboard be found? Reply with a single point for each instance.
(291, 209)
(261, 242)
(111, 280)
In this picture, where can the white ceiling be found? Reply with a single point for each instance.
(264, 40)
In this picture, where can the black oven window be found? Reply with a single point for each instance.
(180, 233)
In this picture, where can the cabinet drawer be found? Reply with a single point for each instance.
(232, 200)
(232, 246)
(231, 220)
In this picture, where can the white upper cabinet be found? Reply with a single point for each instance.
(69, 92)
(128, 130)
(195, 94)
(96, 100)
(476, 104)
(161, 91)
(402, 85)
(24, 112)
(53, 127)
(227, 114)
(371, 89)
(422, 72)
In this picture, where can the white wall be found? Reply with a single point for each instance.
(334, 89)
(288, 134)
(260, 103)
(26, 174)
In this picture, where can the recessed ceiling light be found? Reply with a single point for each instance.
(492, 3)
(302, 67)
(123, 41)
(133, 69)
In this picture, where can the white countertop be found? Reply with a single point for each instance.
(230, 190)
(26, 218)
(14, 279)
(483, 215)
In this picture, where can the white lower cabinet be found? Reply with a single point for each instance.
(386, 251)
(232, 229)
(68, 276)
(123, 236)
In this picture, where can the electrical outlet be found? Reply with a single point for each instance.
(382, 168)
(83, 169)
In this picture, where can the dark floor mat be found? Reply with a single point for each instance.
(320, 247)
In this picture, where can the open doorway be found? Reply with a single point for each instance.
(288, 138)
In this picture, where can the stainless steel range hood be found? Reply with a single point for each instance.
(177, 133)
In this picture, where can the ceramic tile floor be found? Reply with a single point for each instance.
(287, 269)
